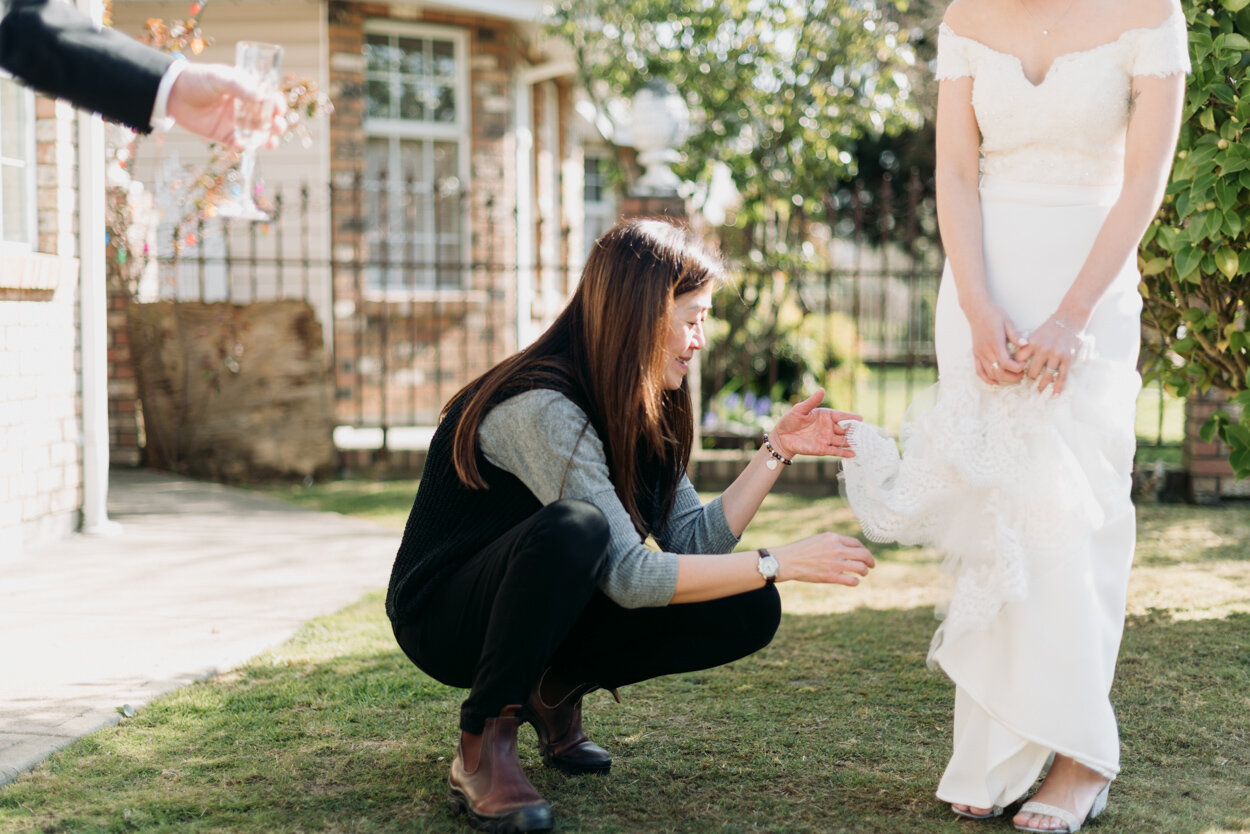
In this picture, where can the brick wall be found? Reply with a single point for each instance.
(673, 208)
(125, 417)
(40, 402)
(1210, 473)
(299, 26)
(477, 326)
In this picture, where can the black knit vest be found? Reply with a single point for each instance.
(450, 523)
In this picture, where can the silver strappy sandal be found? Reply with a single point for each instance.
(1063, 814)
(996, 811)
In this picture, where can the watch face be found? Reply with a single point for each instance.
(769, 566)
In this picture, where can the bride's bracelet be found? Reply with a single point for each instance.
(776, 455)
(1063, 326)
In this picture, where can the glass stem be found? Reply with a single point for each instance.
(247, 167)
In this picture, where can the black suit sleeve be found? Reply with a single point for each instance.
(57, 50)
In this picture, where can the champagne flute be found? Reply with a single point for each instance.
(251, 125)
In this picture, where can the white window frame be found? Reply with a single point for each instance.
(458, 131)
(604, 209)
(31, 194)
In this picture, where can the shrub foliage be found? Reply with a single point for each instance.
(1195, 258)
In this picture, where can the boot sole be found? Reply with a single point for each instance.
(516, 822)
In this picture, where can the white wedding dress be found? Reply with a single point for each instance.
(1027, 495)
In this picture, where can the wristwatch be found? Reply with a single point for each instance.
(769, 567)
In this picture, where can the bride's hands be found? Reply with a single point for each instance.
(807, 429)
(1049, 354)
(992, 332)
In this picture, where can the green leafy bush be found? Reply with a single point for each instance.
(1195, 258)
(765, 341)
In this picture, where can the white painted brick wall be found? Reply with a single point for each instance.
(40, 459)
(40, 454)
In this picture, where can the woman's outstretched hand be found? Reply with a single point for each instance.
(808, 429)
(825, 557)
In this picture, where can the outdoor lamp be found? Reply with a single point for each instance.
(661, 124)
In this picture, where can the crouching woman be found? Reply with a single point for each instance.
(523, 574)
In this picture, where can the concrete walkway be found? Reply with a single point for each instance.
(201, 578)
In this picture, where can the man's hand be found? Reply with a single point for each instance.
(202, 101)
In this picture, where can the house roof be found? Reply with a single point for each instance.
(520, 10)
(524, 10)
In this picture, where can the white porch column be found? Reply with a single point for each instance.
(527, 227)
(93, 302)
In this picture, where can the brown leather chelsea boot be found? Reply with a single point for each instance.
(555, 710)
(488, 783)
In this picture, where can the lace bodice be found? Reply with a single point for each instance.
(1070, 127)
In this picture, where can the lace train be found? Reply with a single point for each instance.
(1003, 481)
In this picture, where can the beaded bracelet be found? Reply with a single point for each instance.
(777, 456)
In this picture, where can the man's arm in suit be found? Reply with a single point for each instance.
(58, 50)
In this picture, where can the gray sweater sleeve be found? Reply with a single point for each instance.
(695, 527)
(534, 436)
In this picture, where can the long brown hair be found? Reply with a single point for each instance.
(606, 352)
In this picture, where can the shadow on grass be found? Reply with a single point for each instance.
(1176, 534)
(834, 727)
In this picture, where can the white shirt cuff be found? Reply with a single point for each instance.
(161, 121)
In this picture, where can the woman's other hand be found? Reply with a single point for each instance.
(808, 429)
(993, 338)
(827, 558)
(1050, 352)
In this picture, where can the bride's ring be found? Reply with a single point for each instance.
(994, 365)
(1053, 372)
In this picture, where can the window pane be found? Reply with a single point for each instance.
(447, 163)
(378, 100)
(413, 61)
(416, 219)
(444, 103)
(377, 153)
(447, 210)
(376, 157)
(13, 183)
(596, 227)
(444, 59)
(412, 153)
(416, 189)
(448, 201)
(13, 125)
(412, 101)
(411, 78)
(593, 192)
(379, 54)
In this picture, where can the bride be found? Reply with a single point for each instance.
(1056, 126)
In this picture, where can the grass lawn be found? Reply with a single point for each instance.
(836, 726)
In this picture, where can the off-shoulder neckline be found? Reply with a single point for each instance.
(945, 29)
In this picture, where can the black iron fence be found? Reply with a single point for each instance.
(859, 322)
(408, 319)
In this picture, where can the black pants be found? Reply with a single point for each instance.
(529, 601)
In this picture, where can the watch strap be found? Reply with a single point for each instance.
(764, 554)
